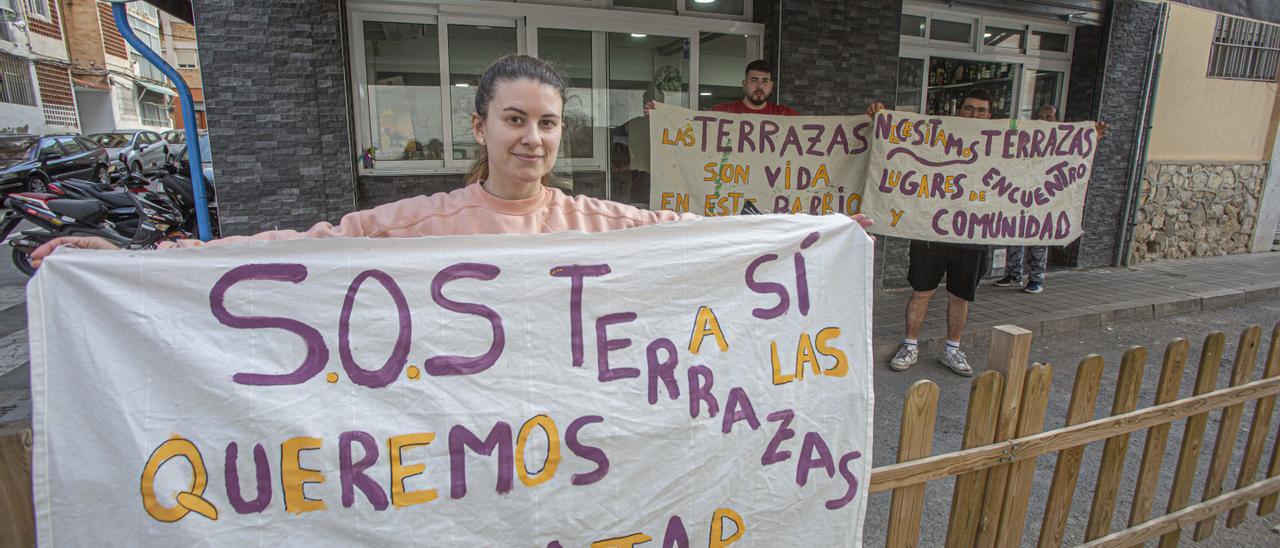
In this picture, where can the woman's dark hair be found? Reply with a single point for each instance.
(506, 69)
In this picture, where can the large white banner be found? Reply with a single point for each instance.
(939, 178)
(703, 383)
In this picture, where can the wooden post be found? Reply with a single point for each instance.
(1257, 431)
(915, 440)
(1010, 346)
(1113, 451)
(1193, 433)
(1246, 355)
(1035, 400)
(17, 516)
(1175, 361)
(1084, 397)
(979, 430)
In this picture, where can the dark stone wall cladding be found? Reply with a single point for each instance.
(1131, 40)
(275, 84)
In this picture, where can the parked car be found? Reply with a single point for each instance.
(29, 162)
(135, 150)
(177, 139)
(183, 165)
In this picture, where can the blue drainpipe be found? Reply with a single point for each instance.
(188, 115)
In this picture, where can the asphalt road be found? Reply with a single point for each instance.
(1064, 352)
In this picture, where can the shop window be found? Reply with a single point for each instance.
(402, 69)
(640, 67)
(955, 32)
(1049, 41)
(571, 52)
(1244, 50)
(910, 73)
(1004, 38)
(912, 25)
(472, 48)
(666, 5)
(722, 58)
(1041, 88)
(951, 79)
(724, 7)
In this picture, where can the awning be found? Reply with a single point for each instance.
(158, 89)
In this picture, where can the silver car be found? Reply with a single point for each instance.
(138, 151)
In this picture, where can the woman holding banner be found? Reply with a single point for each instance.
(518, 119)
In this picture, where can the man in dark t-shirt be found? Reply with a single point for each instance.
(962, 265)
(757, 86)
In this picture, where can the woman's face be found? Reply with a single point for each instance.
(521, 133)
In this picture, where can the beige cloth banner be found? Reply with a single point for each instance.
(939, 178)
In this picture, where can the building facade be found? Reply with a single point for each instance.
(181, 52)
(115, 87)
(325, 82)
(35, 95)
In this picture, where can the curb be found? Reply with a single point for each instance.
(978, 334)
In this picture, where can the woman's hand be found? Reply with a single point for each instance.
(873, 108)
(79, 242)
(864, 222)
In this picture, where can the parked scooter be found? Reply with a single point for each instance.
(55, 217)
(177, 186)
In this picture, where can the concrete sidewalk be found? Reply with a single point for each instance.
(1085, 298)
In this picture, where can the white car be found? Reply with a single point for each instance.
(135, 150)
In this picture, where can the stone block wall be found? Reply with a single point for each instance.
(1196, 209)
(275, 87)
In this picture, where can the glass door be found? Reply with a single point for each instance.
(910, 78)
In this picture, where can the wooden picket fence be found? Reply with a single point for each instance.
(1004, 436)
(1002, 439)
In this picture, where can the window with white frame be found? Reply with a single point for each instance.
(150, 35)
(415, 75)
(945, 53)
(37, 8)
(1244, 50)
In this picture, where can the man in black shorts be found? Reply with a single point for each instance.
(961, 263)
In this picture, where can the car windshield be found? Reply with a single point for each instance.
(16, 148)
(111, 140)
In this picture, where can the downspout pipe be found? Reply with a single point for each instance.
(1138, 162)
(194, 156)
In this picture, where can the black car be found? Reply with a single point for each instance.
(29, 162)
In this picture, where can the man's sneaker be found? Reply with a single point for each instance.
(956, 361)
(906, 357)
(1009, 281)
(1033, 287)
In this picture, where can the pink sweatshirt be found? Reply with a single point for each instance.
(472, 210)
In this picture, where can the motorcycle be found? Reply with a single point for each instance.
(55, 216)
(180, 192)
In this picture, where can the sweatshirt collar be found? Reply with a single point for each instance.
(510, 207)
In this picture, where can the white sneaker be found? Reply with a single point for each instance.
(906, 357)
(956, 361)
